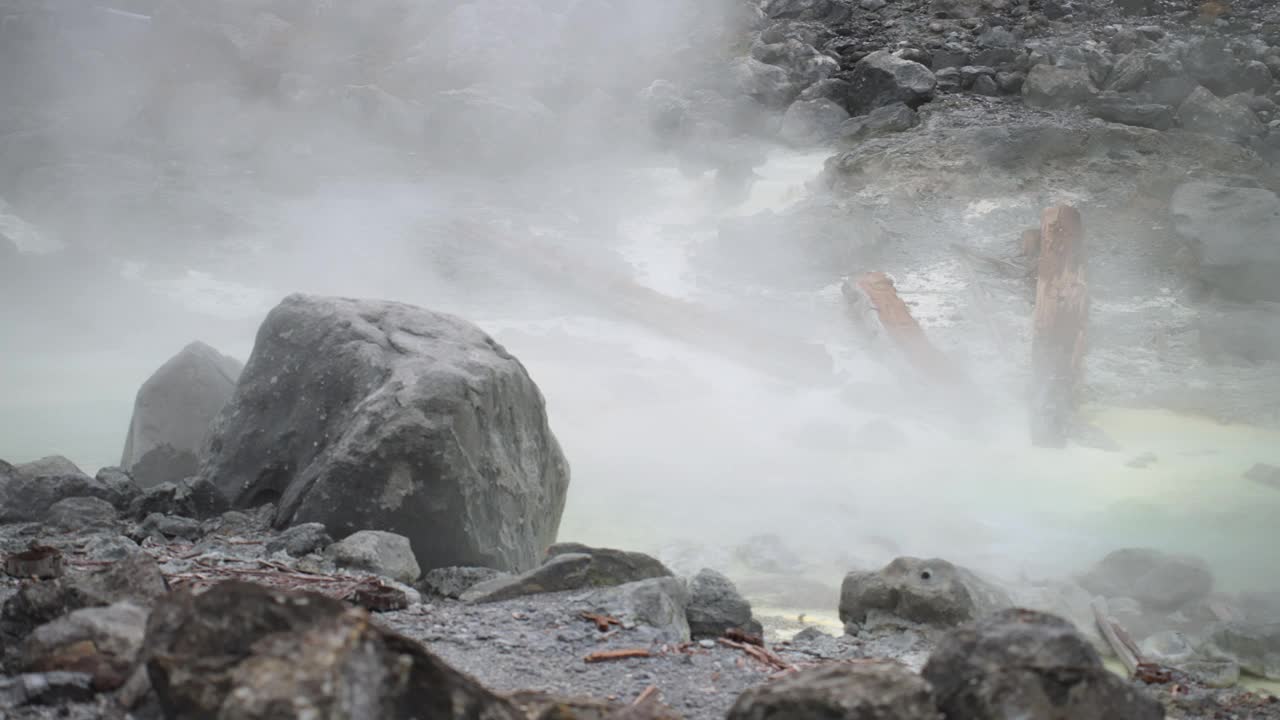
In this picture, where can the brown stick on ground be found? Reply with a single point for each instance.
(602, 621)
(607, 655)
(759, 653)
(1060, 319)
(902, 328)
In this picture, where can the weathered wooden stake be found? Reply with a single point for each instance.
(1060, 319)
(896, 320)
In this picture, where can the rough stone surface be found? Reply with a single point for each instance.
(811, 122)
(659, 606)
(1155, 579)
(301, 540)
(882, 78)
(27, 494)
(1127, 111)
(870, 691)
(563, 572)
(168, 526)
(715, 606)
(1232, 232)
(173, 412)
(120, 486)
(881, 121)
(613, 567)
(1048, 86)
(82, 513)
(1020, 663)
(243, 651)
(930, 592)
(100, 641)
(452, 582)
(376, 551)
(1255, 647)
(1204, 113)
(365, 414)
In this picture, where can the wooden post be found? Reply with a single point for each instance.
(895, 319)
(1061, 316)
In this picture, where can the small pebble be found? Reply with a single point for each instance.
(708, 644)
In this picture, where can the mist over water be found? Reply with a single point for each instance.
(171, 203)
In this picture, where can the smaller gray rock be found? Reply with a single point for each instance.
(882, 78)
(1011, 82)
(115, 633)
(1255, 647)
(169, 526)
(889, 119)
(1129, 111)
(155, 499)
(812, 122)
(1256, 77)
(660, 604)
(1052, 87)
(864, 691)
(562, 572)
(998, 37)
(82, 513)
(929, 592)
(716, 606)
(452, 582)
(1203, 112)
(613, 567)
(121, 487)
(1169, 647)
(379, 552)
(985, 85)
(301, 540)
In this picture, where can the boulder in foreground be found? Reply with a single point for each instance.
(870, 691)
(361, 414)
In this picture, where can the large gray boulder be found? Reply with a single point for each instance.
(1235, 235)
(1026, 664)
(1203, 112)
(27, 492)
(929, 592)
(883, 78)
(870, 691)
(379, 552)
(1158, 580)
(1053, 87)
(361, 414)
(173, 412)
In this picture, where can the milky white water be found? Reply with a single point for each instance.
(686, 453)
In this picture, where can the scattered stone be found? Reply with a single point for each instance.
(27, 494)
(121, 488)
(562, 572)
(659, 604)
(100, 641)
(864, 691)
(258, 650)
(1232, 232)
(1128, 111)
(881, 121)
(1020, 663)
(881, 79)
(1155, 579)
(1254, 647)
(382, 553)
(169, 526)
(301, 540)
(1202, 112)
(1052, 87)
(360, 414)
(452, 582)
(173, 412)
(929, 592)
(82, 513)
(715, 606)
(613, 567)
(812, 122)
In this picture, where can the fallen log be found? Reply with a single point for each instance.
(1059, 323)
(872, 298)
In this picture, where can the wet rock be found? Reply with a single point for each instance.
(715, 606)
(1130, 111)
(1020, 663)
(366, 414)
(1204, 113)
(613, 567)
(241, 651)
(163, 526)
(382, 553)
(812, 122)
(882, 78)
(49, 689)
(27, 494)
(930, 592)
(120, 487)
(173, 412)
(1255, 647)
(300, 540)
(659, 604)
(1131, 72)
(452, 582)
(1052, 87)
(1155, 579)
(865, 691)
(562, 572)
(100, 641)
(1232, 232)
(82, 513)
(881, 121)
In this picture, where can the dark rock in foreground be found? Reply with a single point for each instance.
(871, 691)
(377, 415)
(1024, 664)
